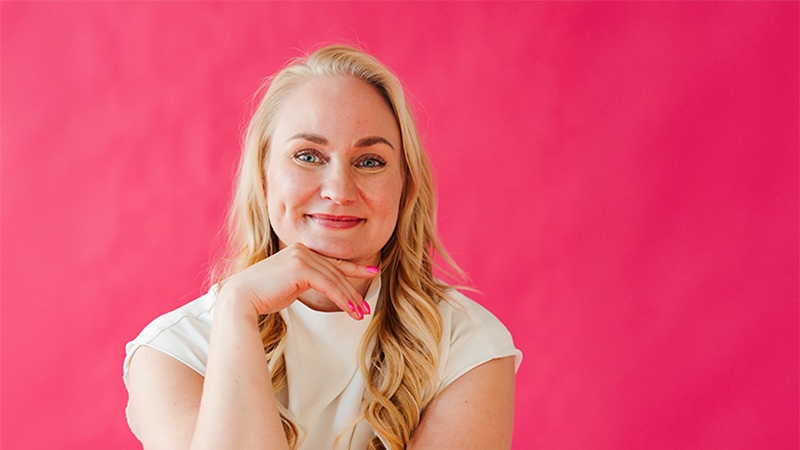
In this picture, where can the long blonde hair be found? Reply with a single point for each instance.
(403, 337)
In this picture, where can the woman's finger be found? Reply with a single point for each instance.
(353, 270)
(330, 281)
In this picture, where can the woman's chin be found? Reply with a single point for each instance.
(345, 254)
(332, 251)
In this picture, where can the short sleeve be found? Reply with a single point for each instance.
(472, 336)
(183, 334)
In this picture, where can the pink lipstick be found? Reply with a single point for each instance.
(335, 222)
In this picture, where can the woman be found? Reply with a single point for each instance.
(329, 328)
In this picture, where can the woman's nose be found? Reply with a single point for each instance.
(339, 185)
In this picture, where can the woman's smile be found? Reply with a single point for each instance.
(335, 222)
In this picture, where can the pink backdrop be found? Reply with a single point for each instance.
(620, 180)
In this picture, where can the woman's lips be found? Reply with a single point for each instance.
(335, 222)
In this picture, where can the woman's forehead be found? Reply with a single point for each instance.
(337, 108)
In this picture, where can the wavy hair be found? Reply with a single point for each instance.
(399, 354)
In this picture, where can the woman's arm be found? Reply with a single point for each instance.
(237, 409)
(476, 411)
(164, 399)
(234, 407)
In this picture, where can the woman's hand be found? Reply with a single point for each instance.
(274, 283)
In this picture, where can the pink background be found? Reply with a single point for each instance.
(620, 180)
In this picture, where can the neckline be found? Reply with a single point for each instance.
(307, 313)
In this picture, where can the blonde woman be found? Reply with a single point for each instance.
(327, 329)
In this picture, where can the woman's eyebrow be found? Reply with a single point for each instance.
(315, 138)
(372, 140)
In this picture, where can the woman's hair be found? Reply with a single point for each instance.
(399, 354)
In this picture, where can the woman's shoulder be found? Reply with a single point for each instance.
(463, 316)
(182, 333)
(472, 335)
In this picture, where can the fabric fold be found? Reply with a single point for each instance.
(322, 354)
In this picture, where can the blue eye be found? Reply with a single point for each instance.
(371, 162)
(307, 157)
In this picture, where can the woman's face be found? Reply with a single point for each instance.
(334, 171)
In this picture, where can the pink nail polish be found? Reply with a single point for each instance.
(365, 307)
(360, 314)
(373, 269)
(352, 306)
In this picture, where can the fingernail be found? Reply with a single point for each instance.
(373, 269)
(360, 314)
(365, 307)
(352, 306)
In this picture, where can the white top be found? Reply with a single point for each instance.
(325, 384)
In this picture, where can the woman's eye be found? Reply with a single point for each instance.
(371, 162)
(307, 157)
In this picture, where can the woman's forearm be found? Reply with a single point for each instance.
(238, 408)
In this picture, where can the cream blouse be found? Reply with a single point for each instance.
(325, 385)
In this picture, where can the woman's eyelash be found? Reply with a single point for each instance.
(371, 162)
(308, 156)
